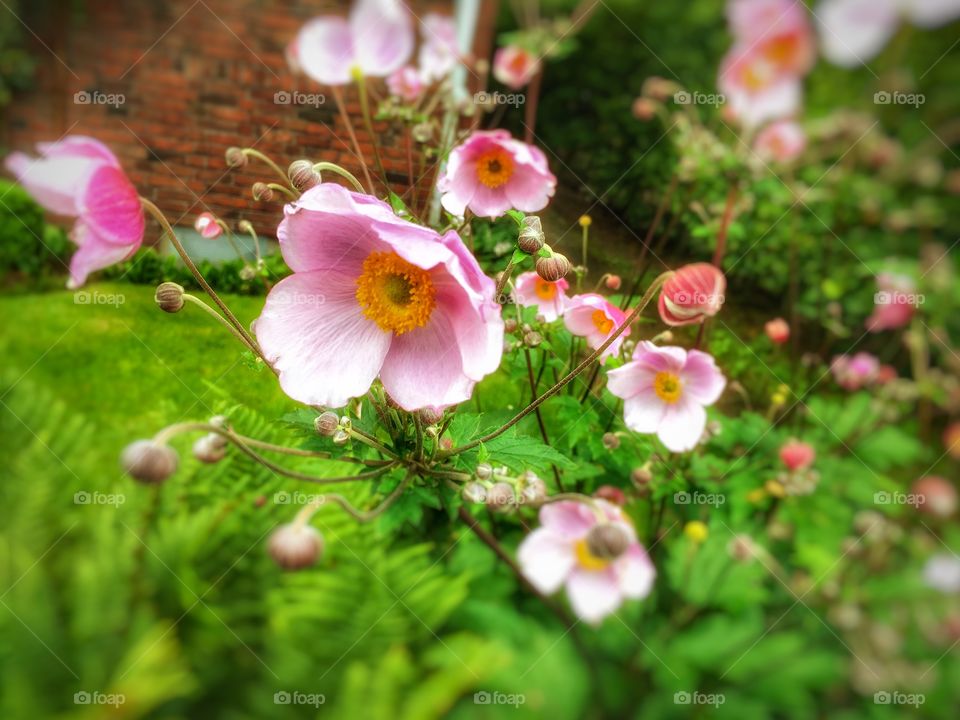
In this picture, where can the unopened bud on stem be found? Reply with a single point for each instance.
(149, 462)
(169, 297)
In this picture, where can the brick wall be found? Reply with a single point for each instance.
(197, 76)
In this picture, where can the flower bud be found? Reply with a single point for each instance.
(247, 273)
(531, 235)
(610, 441)
(219, 421)
(149, 462)
(553, 268)
(484, 471)
(644, 109)
(797, 455)
(302, 175)
(510, 325)
(611, 494)
(430, 415)
(937, 496)
(326, 424)
(692, 294)
(262, 191)
(777, 330)
(533, 489)
(641, 476)
(500, 497)
(613, 282)
(585, 221)
(742, 548)
(532, 339)
(235, 157)
(245, 226)
(210, 448)
(341, 437)
(295, 546)
(169, 297)
(607, 541)
(422, 132)
(474, 492)
(206, 224)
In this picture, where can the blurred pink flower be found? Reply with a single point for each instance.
(593, 551)
(371, 295)
(79, 177)
(756, 89)
(894, 302)
(935, 496)
(797, 455)
(206, 224)
(490, 173)
(853, 373)
(595, 318)
(778, 29)
(515, 67)
(855, 31)
(376, 39)
(406, 84)
(951, 439)
(777, 330)
(782, 141)
(694, 293)
(665, 391)
(550, 298)
(439, 53)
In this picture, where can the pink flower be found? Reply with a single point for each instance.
(549, 298)
(853, 373)
(79, 177)
(755, 88)
(853, 32)
(665, 391)
(377, 39)
(593, 551)
(406, 84)
(782, 141)
(894, 302)
(439, 52)
(951, 439)
(595, 318)
(935, 496)
(371, 295)
(515, 67)
(942, 572)
(206, 224)
(797, 455)
(692, 294)
(491, 173)
(779, 29)
(777, 330)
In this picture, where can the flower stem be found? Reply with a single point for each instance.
(263, 158)
(366, 439)
(342, 172)
(338, 97)
(220, 319)
(363, 92)
(359, 515)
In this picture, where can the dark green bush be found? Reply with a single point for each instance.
(28, 246)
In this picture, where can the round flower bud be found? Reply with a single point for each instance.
(500, 497)
(302, 175)
(327, 424)
(245, 226)
(295, 546)
(262, 191)
(610, 441)
(210, 448)
(474, 492)
(430, 415)
(531, 235)
(341, 437)
(936, 496)
(613, 282)
(641, 476)
(484, 471)
(219, 421)
(585, 221)
(510, 325)
(169, 297)
(533, 489)
(611, 494)
(532, 339)
(422, 132)
(235, 157)
(644, 109)
(553, 268)
(608, 541)
(149, 462)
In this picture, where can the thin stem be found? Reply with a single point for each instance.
(721, 248)
(368, 121)
(338, 97)
(358, 515)
(284, 189)
(367, 439)
(220, 319)
(543, 427)
(263, 158)
(161, 218)
(342, 172)
(645, 300)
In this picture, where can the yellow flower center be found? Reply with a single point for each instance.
(397, 295)
(602, 322)
(667, 386)
(587, 560)
(545, 290)
(494, 167)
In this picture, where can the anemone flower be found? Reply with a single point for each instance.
(593, 551)
(853, 373)
(755, 89)
(439, 53)
(894, 302)
(376, 39)
(79, 177)
(515, 67)
(797, 455)
(782, 141)
(406, 84)
(595, 318)
(373, 295)
(491, 173)
(665, 391)
(779, 29)
(206, 224)
(550, 298)
(692, 294)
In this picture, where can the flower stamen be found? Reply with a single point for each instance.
(668, 387)
(397, 295)
(603, 323)
(494, 167)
